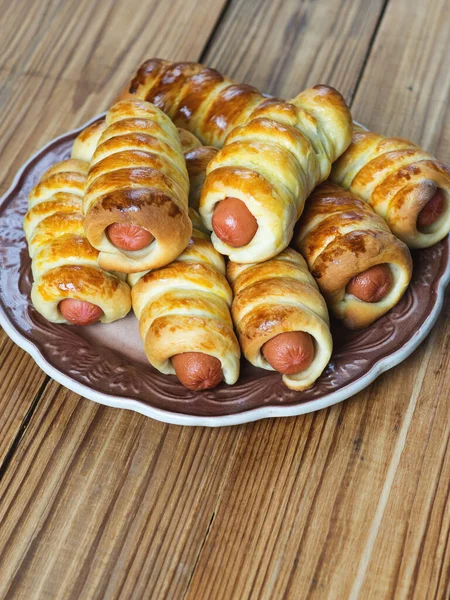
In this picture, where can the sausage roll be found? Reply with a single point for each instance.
(361, 268)
(281, 318)
(196, 155)
(257, 184)
(136, 196)
(195, 97)
(184, 316)
(69, 286)
(406, 186)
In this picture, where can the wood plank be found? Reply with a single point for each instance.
(284, 46)
(103, 503)
(405, 89)
(20, 383)
(62, 63)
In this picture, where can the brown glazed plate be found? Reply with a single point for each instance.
(106, 362)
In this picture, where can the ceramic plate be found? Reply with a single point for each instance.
(106, 362)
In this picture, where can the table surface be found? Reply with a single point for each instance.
(349, 502)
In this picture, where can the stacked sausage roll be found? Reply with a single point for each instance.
(184, 308)
(69, 286)
(136, 198)
(281, 318)
(361, 268)
(257, 184)
(195, 97)
(184, 316)
(406, 186)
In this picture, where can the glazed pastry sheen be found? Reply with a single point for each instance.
(397, 179)
(272, 163)
(184, 307)
(64, 264)
(340, 237)
(137, 176)
(195, 97)
(86, 142)
(275, 297)
(196, 155)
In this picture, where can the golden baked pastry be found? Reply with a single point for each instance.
(361, 268)
(406, 186)
(281, 318)
(136, 197)
(195, 97)
(86, 142)
(257, 184)
(183, 312)
(197, 159)
(69, 286)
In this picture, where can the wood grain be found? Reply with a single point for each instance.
(408, 76)
(351, 502)
(20, 382)
(284, 46)
(64, 62)
(121, 503)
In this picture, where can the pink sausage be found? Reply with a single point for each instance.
(431, 212)
(289, 353)
(197, 371)
(371, 285)
(129, 237)
(233, 223)
(79, 312)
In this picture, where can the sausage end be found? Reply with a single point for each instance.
(80, 312)
(432, 210)
(129, 237)
(233, 223)
(371, 285)
(290, 353)
(197, 371)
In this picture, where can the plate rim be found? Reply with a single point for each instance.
(251, 415)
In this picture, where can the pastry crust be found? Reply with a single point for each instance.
(184, 307)
(64, 264)
(340, 236)
(272, 163)
(397, 179)
(196, 155)
(195, 97)
(278, 296)
(86, 142)
(138, 175)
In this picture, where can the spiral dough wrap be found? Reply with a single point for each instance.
(137, 179)
(345, 244)
(270, 165)
(64, 264)
(195, 97)
(184, 308)
(277, 297)
(406, 186)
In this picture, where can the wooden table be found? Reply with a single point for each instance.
(350, 502)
